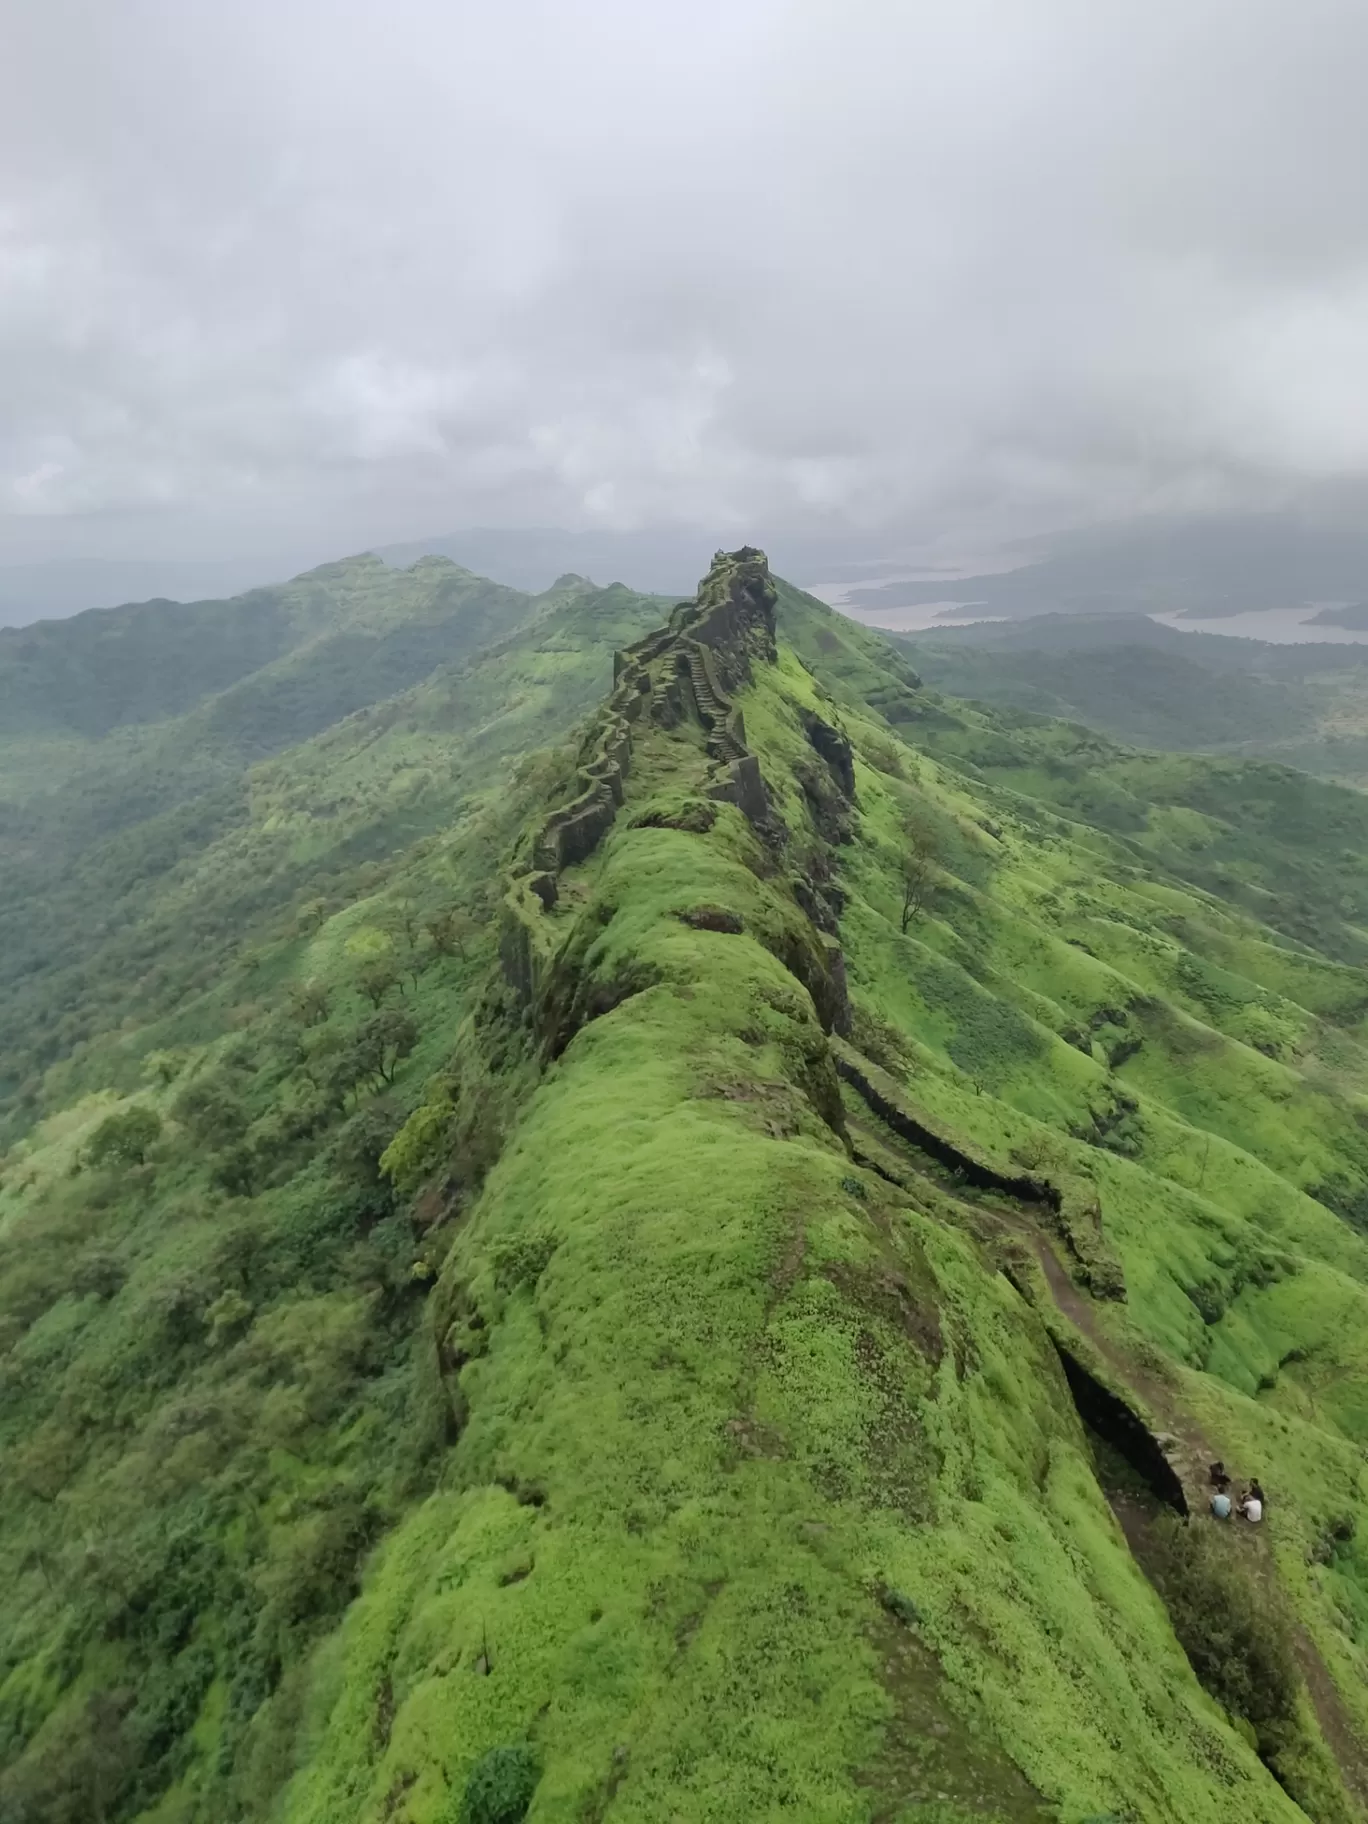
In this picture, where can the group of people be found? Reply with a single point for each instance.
(1249, 1504)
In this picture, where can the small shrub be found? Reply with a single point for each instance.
(880, 1041)
(374, 981)
(98, 1273)
(227, 1316)
(235, 1171)
(899, 1605)
(883, 755)
(212, 1112)
(520, 1260)
(500, 1787)
(361, 1144)
(419, 1147)
(1114, 1123)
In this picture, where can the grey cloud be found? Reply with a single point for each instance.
(294, 273)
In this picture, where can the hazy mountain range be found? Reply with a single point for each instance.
(1207, 567)
(529, 558)
(1212, 566)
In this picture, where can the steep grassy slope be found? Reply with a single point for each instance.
(178, 1519)
(734, 1352)
(127, 884)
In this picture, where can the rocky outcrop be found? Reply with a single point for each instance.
(834, 747)
(688, 668)
(1103, 1411)
(686, 672)
(694, 662)
(575, 831)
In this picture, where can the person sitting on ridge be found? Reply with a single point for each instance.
(1220, 1504)
(1251, 1503)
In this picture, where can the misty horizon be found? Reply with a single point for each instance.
(277, 286)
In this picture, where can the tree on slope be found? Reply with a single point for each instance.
(918, 866)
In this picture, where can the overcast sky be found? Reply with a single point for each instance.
(275, 271)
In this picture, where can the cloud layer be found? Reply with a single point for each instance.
(355, 273)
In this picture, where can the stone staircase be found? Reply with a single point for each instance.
(713, 710)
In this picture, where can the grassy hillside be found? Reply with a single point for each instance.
(1137, 680)
(133, 870)
(691, 1276)
(148, 661)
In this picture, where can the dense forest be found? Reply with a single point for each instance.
(625, 1211)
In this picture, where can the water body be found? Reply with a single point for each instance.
(919, 619)
(1279, 626)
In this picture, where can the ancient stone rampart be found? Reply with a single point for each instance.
(687, 670)
(694, 662)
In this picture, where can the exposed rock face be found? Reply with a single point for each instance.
(687, 669)
(835, 749)
(694, 662)
(1070, 1205)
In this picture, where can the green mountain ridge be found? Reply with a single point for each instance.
(685, 1275)
(175, 818)
(149, 660)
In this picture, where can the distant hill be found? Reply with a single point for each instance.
(1352, 615)
(663, 559)
(129, 739)
(1141, 681)
(59, 587)
(345, 631)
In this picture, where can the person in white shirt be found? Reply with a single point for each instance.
(1251, 1504)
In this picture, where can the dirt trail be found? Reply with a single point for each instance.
(1197, 1452)
(1185, 1445)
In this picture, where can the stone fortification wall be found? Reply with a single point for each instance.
(687, 670)
(694, 662)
